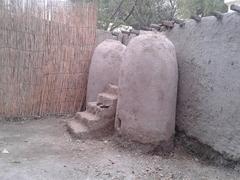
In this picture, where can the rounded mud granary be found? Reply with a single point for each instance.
(148, 90)
(104, 68)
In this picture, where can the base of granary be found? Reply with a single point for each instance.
(156, 148)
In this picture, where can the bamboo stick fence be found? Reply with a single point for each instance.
(45, 52)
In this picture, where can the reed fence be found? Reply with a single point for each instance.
(45, 52)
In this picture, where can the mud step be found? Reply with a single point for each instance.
(95, 108)
(101, 110)
(89, 120)
(107, 99)
(78, 130)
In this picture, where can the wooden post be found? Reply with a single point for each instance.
(126, 32)
(196, 18)
(144, 28)
(217, 14)
(136, 32)
(168, 24)
(115, 33)
(155, 26)
(180, 22)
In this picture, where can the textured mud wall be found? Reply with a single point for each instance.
(208, 108)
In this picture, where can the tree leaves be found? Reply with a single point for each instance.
(136, 13)
(140, 13)
(186, 8)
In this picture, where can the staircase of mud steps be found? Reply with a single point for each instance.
(98, 119)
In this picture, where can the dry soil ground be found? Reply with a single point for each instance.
(43, 150)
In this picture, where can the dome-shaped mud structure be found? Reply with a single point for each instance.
(104, 68)
(148, 90)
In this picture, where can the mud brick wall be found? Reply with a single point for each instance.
(208, 107)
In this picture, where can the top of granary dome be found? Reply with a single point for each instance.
(151, 40)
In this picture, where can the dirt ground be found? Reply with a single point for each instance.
(43, 150)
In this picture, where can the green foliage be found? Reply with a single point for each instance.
(186, 8)
(136, 13)
(139, 13)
